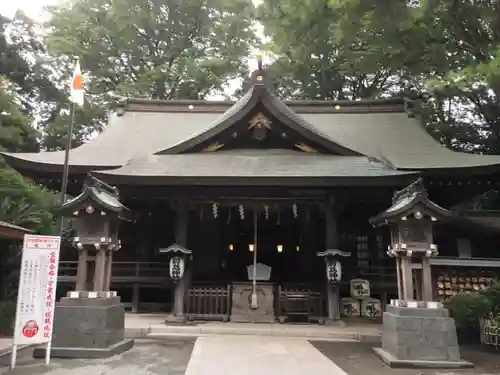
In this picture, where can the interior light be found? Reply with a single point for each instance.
(280, 248)
(251, 247)
(297, 248)
(230, 247)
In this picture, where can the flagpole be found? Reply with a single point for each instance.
(64, 183)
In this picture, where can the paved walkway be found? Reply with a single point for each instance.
(250, 355)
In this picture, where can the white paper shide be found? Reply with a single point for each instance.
(37, 290)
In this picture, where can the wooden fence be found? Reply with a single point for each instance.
(208, 302)
(295, 301)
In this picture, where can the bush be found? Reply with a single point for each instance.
(468, 308)
(493, 295)
(7, 317)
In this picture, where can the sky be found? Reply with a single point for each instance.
(33, 8)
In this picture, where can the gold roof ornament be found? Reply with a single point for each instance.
(213, 147)
(305, 148)
(259, 121)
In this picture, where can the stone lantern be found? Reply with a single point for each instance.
(417, 331)
(333, 272)
(90, 321)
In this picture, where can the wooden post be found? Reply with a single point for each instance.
(181, 223)
(426, 279)
(100, 270)
(136, 290)
(81, 273)
(400, 278)
(331, 242)
(406, 270)
(109, 268)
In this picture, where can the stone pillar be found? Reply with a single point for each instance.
(181, 224)
(100, 271)
(331, 242)
(426, 279)
(81, 275)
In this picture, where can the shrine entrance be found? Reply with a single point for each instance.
(268, 260)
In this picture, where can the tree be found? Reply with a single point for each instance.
(163, 49)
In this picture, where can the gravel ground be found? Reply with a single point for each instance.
(358, 359)
(151, 357)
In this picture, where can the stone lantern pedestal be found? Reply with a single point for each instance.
(419, 334)
(88, 325)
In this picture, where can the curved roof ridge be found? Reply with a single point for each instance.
(259, 93)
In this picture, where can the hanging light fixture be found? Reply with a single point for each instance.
(251, 247)
(297, 248)
(215, 210)
(279, 248)
(295, 211)
(230, 247)
(241, 209)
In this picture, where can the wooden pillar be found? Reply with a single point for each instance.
(406, 270)
(181, 223)
(331, 242)
(109, 268)
(81, 273)
(426, 279)
(100, 271)
(399, 278)
(135, 291)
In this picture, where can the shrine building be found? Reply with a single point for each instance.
(256, 194)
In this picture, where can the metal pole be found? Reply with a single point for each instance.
(254, 304)
(64, 183)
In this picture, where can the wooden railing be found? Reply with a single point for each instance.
(299, 301)
(208, 302)
(123, 272)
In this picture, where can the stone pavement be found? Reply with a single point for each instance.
(250, 355)
(148, 357)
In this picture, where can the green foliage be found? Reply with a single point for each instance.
(26, 204)
(468, 308)
(493, 295)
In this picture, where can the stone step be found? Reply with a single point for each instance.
(322, 333)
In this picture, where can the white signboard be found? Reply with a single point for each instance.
(37, 291)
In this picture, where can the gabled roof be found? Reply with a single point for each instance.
(100, 196)
(260, 95)
(379, 129)
(406, 201)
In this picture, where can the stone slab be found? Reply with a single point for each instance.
(79, 352)
(231, 355)
(241, 310)
(393, 362)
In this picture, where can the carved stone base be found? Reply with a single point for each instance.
(419, 337)
(242, 312)
(171, 318)
(88, 328)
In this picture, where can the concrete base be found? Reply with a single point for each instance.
(88, 328)
(414, 337)
(59, 352)
(393, 362)
(171, 318)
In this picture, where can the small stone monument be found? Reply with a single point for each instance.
(90, 321)
(417, 331)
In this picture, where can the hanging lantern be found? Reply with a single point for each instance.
(176, 268)
(241, 209)
(333, 271)
(295, 211)
(215, 210)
